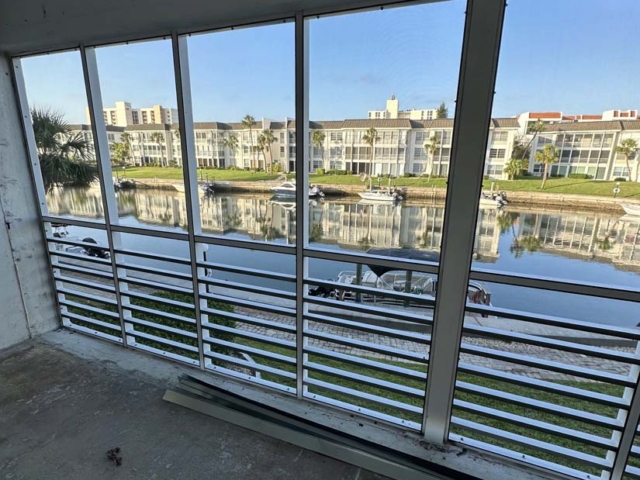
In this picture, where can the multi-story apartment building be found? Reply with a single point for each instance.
(122, 115)
(393, 112)
(586, 144)
(589, 148)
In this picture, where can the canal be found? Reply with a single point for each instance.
(594, 247)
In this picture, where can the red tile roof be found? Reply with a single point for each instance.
(545, 115)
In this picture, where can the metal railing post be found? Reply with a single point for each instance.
(302, 182)
(105, 176)
(190, 173)
(630, 418)
(483, 29)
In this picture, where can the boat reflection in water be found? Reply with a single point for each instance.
(346, 224)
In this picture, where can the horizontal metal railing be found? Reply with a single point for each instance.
(369, 356)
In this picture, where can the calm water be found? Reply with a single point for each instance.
(592, 247)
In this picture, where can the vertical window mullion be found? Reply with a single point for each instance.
(105, 176)
(190, 174)
(29, 135)
(483, 29)
(302, 182)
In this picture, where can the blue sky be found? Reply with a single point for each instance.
(576, 56)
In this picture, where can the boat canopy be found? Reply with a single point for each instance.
(403, 253)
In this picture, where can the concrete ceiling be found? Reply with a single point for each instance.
(28, 26)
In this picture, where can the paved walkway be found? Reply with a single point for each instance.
(558, 356)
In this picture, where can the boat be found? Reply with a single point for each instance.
(494, 200)
(631, 209)
(179, 187)
(288, 189)
(388, 278)
(60, 231)
(381, 195)
(123, 184)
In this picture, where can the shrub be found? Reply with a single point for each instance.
(408, 175)
(581, 176)
(620, 179)
(320, 171)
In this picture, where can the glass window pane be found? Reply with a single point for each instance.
(565, 126)
(141, 109)
(63, 136)
(391, 143)
(245, 131)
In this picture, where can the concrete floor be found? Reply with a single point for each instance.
(60, 413)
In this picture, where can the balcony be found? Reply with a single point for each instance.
(66, 400)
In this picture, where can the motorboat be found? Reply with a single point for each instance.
(61, 232)
(123, 184)
(631, 209)
(179, 187)
(288, 189)
(390, 279)
(494, 200)
(381, 196)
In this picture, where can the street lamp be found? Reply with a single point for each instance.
(616, 190)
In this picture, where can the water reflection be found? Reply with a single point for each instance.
(501, 236)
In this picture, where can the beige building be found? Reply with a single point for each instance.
(122, 115)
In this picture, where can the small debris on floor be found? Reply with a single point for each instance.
(114, 456)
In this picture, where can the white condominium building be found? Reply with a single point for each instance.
(586, 145)
(393, 112)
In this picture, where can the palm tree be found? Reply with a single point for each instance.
(267, 140)
(628, 148)
(126, 139)
(119, 153)
(158, 138)
(534, 128)
(231, 142)
(317, 139)
(63, 155)
(514, 167)
(432, 148)
(546, 156)
(370, 137)
(248, 122)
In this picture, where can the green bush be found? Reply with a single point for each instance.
(319, 171)
(581, 176)
(620, 179)
(409, 175)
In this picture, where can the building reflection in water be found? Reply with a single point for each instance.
(355, 226)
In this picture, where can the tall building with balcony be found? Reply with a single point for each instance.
(123, 115)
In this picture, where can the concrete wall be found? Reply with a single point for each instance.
(27, 305)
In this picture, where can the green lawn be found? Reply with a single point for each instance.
(553, 185)
(373, 389)
(168, 173)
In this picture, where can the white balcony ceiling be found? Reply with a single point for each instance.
(32, 26)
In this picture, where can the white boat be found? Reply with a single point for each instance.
(380, 196)
(288, 189)
(495, 200)
(179, 187)
(631, 209)
(386, 278)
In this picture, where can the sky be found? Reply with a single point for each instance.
(574, 56)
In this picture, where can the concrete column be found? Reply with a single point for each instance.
(26, 287)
